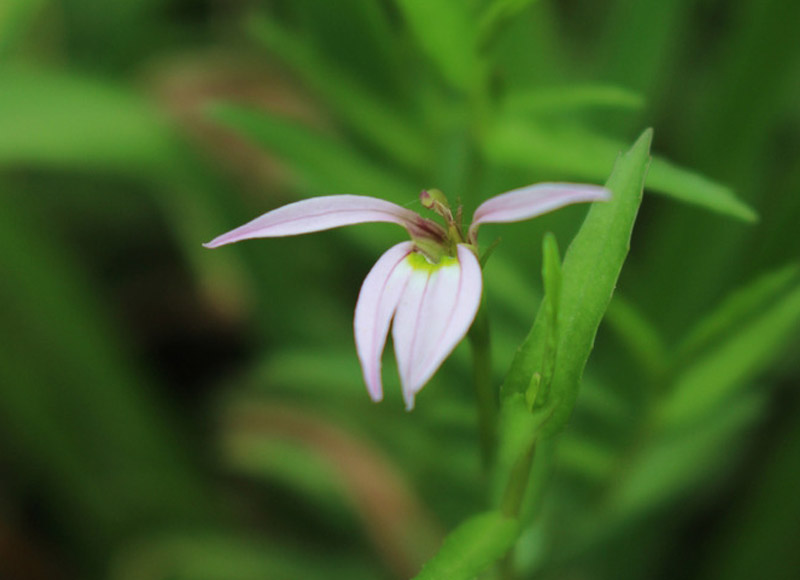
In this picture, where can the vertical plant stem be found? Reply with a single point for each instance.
(486, 395)
(518, 484)
(526, 486)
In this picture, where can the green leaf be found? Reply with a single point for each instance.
(447, 33)
(681, 458)
(734, 363)
(589, 274)
(361, 110)
(64, 120)
(591, 267)
(515, 141)
(472, 547)
(539, 387)
(693, 188)
(588, 277)
(571, 98)
(734, 311)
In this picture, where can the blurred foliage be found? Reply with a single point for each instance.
(170, 412)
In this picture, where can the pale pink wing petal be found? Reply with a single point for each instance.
(376, 304)
(435, 312)
(318, 214)
(533, 200)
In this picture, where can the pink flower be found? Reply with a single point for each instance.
(428, 289)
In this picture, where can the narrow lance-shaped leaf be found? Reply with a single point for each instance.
(49, 118)
(589, 274)
(736, 310)
(733, 363)
(516, 141)
(591, 267)
(356, 106)
(472, 547)
(530, 353)
(680, 459)
(571, 98)
(447, 32)
(539, 388)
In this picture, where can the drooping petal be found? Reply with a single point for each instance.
(533, 200)
(321, 213)
(377, 301)
(437, 308)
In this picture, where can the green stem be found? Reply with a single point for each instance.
(526, 485)
(486, 396)
(518, 484)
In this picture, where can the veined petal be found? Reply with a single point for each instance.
(377, 301)
(322, 213)
(533, 200)
(435, 311)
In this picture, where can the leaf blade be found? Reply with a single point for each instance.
(518, 142)
(472, 547)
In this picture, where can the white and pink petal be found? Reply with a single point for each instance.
(322, 213)
(534, 200)
(435, 311)
(377, 301)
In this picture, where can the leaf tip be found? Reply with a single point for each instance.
(645, 139)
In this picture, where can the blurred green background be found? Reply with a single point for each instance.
(169, 412)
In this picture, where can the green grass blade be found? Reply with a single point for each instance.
(539, 387)
(518, 142)
(741, 306)
(63, 120)
(361, 110)
(358, 35)
(690, 187)
(571, 98)
(448, 34)
(683, 458)
(734, 363)
(472, 547)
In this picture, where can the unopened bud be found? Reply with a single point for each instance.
(431, 197)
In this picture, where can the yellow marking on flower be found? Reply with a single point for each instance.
(419, 261)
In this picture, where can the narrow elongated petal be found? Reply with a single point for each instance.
(318, 214)
(435, 311)
(377, 301)
(533, 200)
